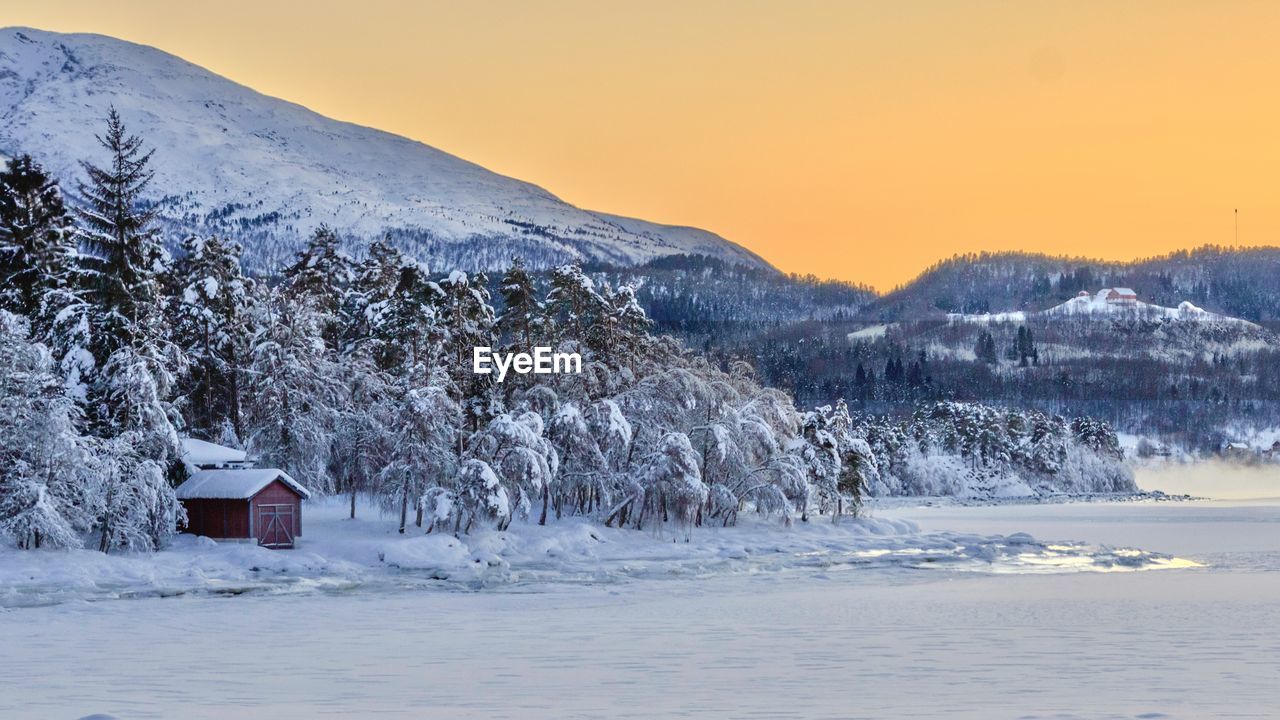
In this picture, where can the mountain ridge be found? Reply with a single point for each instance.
(235, 161)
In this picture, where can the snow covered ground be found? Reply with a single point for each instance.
(963, 619)
(337, 554)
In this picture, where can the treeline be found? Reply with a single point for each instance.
(354, 375)
(966, 449)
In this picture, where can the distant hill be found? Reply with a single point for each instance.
(1191, 359)
(1239, 282)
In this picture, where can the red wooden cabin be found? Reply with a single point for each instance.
(229, 499)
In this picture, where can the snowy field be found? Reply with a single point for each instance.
(1127, 610)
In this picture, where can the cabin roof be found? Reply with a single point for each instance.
(1124, 291)
(201, 452)
(234, 484)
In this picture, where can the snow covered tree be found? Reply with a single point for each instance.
(321, 276)
(139, 509)
(211, 324)
(404, 333)
(627, 336)
(374, 281)
(125, 249)
(1096, 435)
(525, 462)
(292, 392)
(480, 497)
(673, 488)
(46, 466)
(37, 237)
(422, 453)
(572, 305)
(132, 375)
(819, 456)
(362, 431)
(467, 321)
(858, 466)
(523, 314)
(583, 468)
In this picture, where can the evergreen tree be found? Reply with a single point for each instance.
(1026, 347)
(211, 324)
(467, 321)
(37, 238)
(294, 393)
(404, 333)
(573, 305)
(985, 348)
(124, 246)
(628, 327)
(321, 276)
(375, 281)
(134, 365)
(522, 312)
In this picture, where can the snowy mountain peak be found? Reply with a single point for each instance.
(235, 162)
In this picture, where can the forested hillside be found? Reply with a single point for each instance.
(1189, 379)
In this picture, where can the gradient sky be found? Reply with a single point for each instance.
(855, 140)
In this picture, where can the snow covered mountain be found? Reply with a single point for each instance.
(232, 161)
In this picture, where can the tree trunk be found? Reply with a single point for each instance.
(546, 496)
(404, 507)
(353, 501)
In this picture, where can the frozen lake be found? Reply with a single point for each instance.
(802, 643)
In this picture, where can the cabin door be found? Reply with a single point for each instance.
(275, 526)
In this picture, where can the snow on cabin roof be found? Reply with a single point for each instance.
(1125, 291)
(200, 452)
(234, 484)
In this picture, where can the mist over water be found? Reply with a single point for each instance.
(1214, 479)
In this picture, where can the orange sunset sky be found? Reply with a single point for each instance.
(856, 140)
